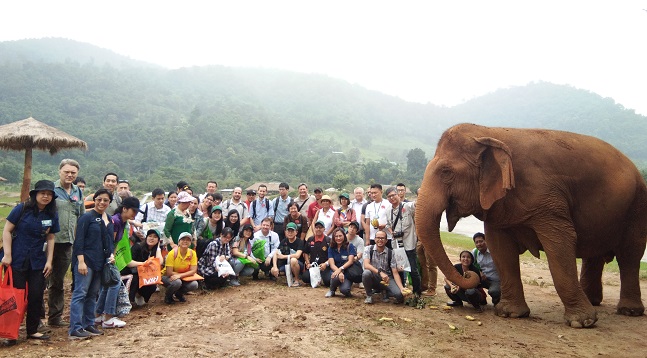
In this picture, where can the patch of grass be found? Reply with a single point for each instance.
(466, 243)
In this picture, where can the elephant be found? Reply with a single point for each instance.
(569, 195)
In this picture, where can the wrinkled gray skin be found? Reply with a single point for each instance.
(566, 194)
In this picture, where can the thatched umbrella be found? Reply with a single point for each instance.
(29, 134)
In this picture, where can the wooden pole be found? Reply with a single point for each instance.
(26, 175)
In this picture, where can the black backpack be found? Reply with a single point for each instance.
(267, 205)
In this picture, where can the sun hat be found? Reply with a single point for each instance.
(183, 235)
(184, 197)
(326, 197)
(43, 185)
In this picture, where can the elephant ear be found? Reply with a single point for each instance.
(496, 174)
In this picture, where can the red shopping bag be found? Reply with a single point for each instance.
(13, 303)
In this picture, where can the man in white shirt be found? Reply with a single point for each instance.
(357, 204)
(271, 245)
(375, 215)
(212, 187)
(236, 203)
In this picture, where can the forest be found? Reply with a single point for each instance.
(156, 126)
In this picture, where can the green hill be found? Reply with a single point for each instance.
(241, 125)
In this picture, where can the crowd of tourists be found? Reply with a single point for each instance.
(111, 242)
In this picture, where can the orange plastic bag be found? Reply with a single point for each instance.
(150, 272)
(13, 303)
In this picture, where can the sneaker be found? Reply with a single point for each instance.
(58, 323)
(455, 303)
(139, 300)
(79, 334)
(385, 297)
(368, 300)
(330, 294)
(180, 297)
(234, 282)
(114, 322)
(94, 331)
(99, 319)
(169, 300)
(42, 328)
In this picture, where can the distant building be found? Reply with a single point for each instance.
(272, 188)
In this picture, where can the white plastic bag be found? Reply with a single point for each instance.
(288, 272)
(315, 275)
(401, 259)
(224, 268)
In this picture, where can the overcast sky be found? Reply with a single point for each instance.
(443, 52)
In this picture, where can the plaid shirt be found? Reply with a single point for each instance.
(207, 263)
(380, 260)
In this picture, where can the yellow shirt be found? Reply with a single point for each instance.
(179, 263)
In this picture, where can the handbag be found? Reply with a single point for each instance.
(315, 275)
(354, 272)
(150, 273)
(123, 302)
(13, 303)
(110, 276)
(401, 259)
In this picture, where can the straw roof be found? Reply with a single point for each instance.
(30, 133)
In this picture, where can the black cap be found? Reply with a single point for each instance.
(251, 192)
(318, 189)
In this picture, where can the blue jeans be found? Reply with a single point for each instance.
(84, 298)
(107, 302)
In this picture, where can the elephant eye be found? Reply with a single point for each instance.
(446, 174)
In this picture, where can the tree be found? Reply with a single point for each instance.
(416, 162)
(340, 181)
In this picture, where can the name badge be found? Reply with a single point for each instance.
(46, 222)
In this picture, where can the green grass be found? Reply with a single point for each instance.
(466, 243)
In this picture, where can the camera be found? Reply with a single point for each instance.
(398, 234)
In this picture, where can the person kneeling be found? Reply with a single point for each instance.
(181, 263)
(473, 295)
(380, 271)
(290, 248)
(212, 262)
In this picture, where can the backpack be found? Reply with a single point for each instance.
(276, 203)
(475, 252)
(267, 205)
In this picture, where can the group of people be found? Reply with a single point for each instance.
(203, 241)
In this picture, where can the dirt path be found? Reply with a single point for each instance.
(265, 319)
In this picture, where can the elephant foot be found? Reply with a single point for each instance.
(511, 309)
(595, 298)
(630, 308)
(581, 319)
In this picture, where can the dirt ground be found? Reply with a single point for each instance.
(267, 319)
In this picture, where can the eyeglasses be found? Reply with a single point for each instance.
(391, 196)
(380, 238)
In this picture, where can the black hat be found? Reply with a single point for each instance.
(251, 192)
(43, 185)
(318, 189)
(355, 224)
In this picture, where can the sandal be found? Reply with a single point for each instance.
(296, 284)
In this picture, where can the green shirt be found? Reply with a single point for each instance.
(70, 207)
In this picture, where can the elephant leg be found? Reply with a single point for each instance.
(505, 253)
(591, 279)
(628, 257)
(559, 241)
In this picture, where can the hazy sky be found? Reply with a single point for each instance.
(443, 52)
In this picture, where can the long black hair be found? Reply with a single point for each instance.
(333, 243)
(234, 226)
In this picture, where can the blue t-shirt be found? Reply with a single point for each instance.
(341, 257)
(29, 237)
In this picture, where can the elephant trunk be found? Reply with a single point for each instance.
(429, 211)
